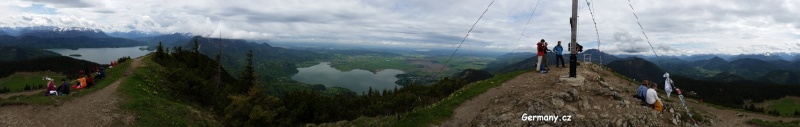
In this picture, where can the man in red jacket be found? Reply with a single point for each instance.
(540, 53)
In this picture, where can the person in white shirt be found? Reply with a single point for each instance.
(651, 95)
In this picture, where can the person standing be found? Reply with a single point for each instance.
(544, 58)
(539, 53)
(559, 57)
(667, 84)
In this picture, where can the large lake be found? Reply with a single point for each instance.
(103, 55)
(356, 80)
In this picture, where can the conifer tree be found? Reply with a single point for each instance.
(160, 51)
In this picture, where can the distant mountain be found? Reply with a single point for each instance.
(54, 32)
(782, 64)
(764, 56)
(526, 64)
(168, 40)
(61, 37)
(70, 43)
(507, 59)
(133, 34)
(714, 63)
(607, 58)
(638, 69)
(782, 77)
(20, 54)
(697, 57)
(750, 68)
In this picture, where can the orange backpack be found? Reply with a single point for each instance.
(658, 106)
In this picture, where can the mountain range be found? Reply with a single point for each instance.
(44, 37)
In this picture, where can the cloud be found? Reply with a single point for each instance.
(65, 3)
(624, 42)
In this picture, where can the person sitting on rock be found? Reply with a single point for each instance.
(642, 91)
(652, 97)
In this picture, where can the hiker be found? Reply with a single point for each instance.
(559, 57)
(540, 52)
(51, 88)
(667, 84)
(82, 83)
(652, 97)
(101, 73)
(89, 81)
(64, 88)
(642, 91)
(544, 59)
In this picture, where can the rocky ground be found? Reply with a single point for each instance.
(600, 99)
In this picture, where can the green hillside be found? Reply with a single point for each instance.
(17, 81)
(19, 54)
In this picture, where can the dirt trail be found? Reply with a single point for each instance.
(95, 109)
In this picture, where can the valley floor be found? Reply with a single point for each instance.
(99, 108)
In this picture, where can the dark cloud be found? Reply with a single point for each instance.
(625, 42)
(65, 3)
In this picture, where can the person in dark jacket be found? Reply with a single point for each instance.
(64, 88)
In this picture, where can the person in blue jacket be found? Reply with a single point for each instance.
(641, 92)
(558, 49)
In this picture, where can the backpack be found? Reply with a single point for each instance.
(658, 106)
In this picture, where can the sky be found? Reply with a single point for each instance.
(673, 27)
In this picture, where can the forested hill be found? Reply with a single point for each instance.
(64, 64)
(638, 69)
(18, 54)
(270, 61)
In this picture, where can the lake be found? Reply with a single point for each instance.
(356, 80)
(103, 55)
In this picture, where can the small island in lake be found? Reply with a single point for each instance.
(75, 55)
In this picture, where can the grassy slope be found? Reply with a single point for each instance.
(786, 106)
(763, 123)
(18, 80)
(113, 75)
(436, 112)
(140, 96)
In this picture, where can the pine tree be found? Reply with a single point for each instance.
(254, 109)
(160, 51)
(797, 112)
(26, 87)
(248, 75)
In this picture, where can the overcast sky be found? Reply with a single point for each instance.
(674, 27)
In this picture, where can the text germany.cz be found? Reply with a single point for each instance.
(526, 117)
